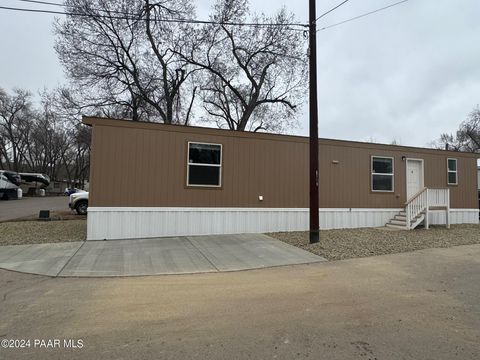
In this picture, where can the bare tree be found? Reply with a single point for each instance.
(121, 56)
(467, 137)
(15, 125)
(255, 74)
(73, 137)
(48, 139)
(165, 41)
(76, 159)
(140, 59)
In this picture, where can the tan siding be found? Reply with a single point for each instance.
(137, 164)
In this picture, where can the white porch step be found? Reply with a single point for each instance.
(398, 222)
(425, 199)
(393, 226)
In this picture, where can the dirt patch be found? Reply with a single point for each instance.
(355, 243)
(39, 232)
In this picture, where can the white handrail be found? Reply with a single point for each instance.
(415, 195)
(423, 200)
(439, 197)
(416, 205)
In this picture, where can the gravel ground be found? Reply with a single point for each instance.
(334, 244)
(354, 243)
(39, 232)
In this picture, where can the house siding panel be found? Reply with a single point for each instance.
(144, 165)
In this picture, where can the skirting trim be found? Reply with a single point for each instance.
(146, 222)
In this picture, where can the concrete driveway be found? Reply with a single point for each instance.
(175, 255)
(13, 209)
(421, 305)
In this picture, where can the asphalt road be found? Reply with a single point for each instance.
(421, 305)
(13, 209)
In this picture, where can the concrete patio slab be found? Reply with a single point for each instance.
(7, 252)
(43, 259)
(247, 251)
(158, 256)
(137, 257)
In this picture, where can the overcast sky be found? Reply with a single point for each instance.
(408, 73)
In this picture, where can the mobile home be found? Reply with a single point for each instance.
(152, 180)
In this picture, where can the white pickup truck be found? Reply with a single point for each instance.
(9, 183)
(79, 202)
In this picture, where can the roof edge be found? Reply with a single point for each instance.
(95, 120)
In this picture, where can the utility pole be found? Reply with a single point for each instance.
(314, 175)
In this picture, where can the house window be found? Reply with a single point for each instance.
(382, 173)
(452, 172)
(204, 164)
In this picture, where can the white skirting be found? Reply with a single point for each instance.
(143, 222)
(457, 216)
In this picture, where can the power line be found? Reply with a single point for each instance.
(64, 6)
(363, 15)
(182, 21)
(332, 9)
(42, 2)
(48, 3)
(192, 21)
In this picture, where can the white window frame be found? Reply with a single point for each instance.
(392, 174)
(452, 171)
(200, 164)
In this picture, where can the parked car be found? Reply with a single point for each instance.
(79, 202)
(70, 191)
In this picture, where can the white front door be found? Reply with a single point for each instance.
(414, 177)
